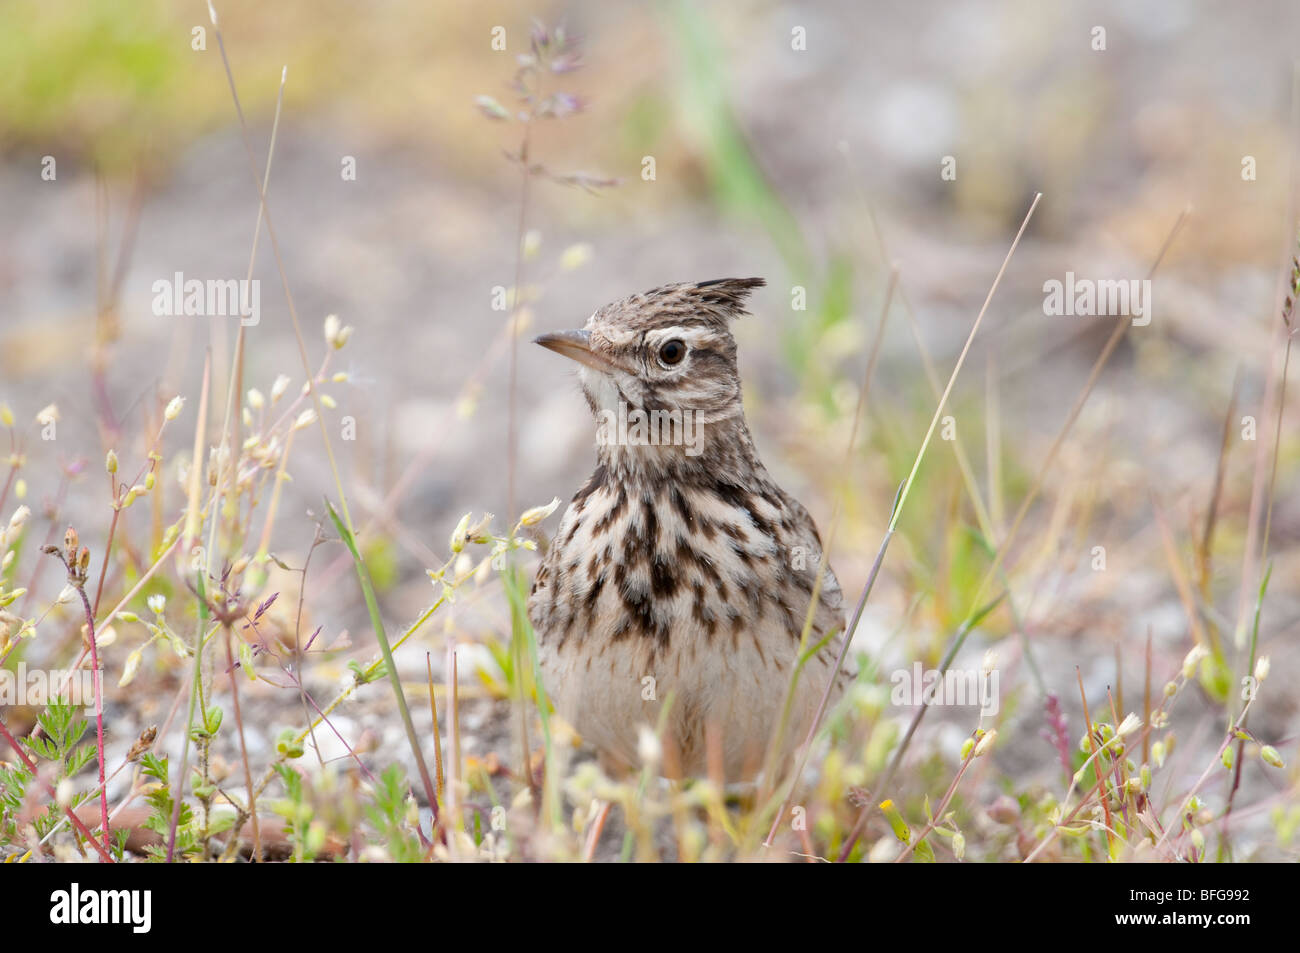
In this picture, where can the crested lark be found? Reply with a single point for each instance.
(680, 568)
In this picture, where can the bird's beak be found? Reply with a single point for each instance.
(576, 345)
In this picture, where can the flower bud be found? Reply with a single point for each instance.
(1193, 659)
(535, 515)
(575, 256)
(335, 335)
(18, 519)
(648, 748)
(900, 828)
(459, 534)
(1004, 810)
(1261, 668)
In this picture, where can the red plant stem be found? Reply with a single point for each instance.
(99, 711)
(1096, 765)
(108, 549)
(4, 494)
(76, 821)
(938, 815)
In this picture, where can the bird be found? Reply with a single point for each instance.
(681, 574)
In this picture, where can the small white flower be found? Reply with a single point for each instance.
(174, 408)
(1130, 724)
(335, 335)
(157, 603)
(279, 387)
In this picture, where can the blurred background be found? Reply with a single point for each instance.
(813, 145)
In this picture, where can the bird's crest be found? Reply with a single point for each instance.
(717, 300)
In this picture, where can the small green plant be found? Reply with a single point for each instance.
(159, 799)
(305, 833)
(393, 814)
(62, 728)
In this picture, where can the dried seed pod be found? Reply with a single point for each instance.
(143, 743)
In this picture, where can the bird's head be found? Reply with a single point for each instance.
(667, 349)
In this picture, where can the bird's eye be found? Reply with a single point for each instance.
(672, 353)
